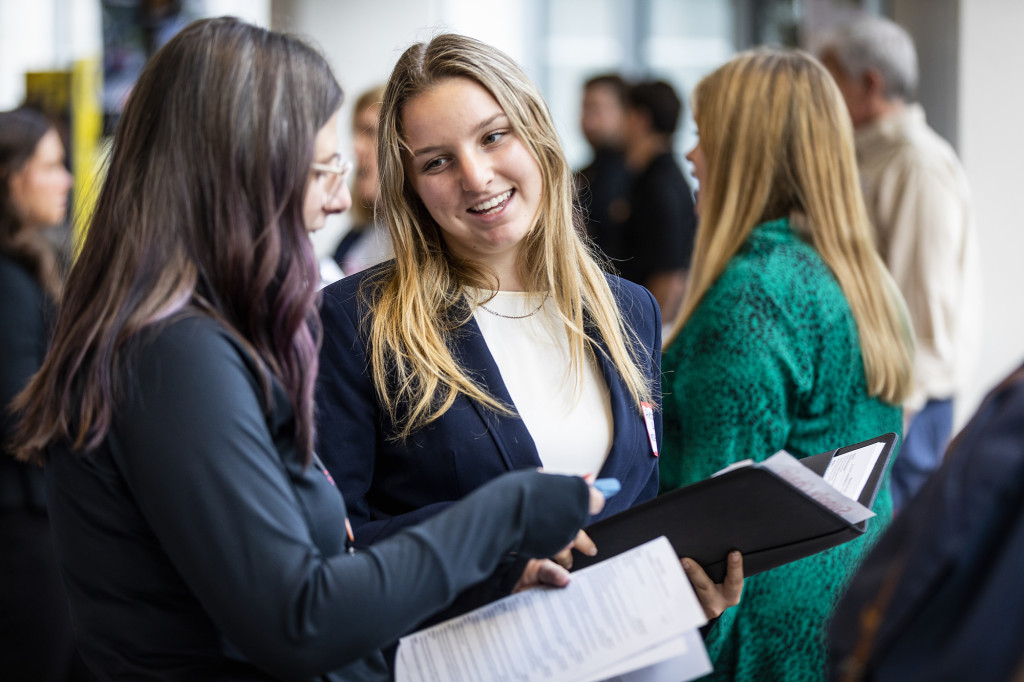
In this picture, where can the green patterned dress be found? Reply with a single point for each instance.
(771, 360)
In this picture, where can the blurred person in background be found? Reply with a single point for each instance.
(603, 183)
(654, 244)
(36, 638)
(792, 335)
(367, 242)
(938, 597)
(919, 202)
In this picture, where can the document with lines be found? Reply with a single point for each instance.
(633, 617)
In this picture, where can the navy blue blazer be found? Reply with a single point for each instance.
(391, 484)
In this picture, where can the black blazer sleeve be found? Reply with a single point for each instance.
(255, 535)
(942, 584)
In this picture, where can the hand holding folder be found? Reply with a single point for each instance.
(635, 616)
(754, 508)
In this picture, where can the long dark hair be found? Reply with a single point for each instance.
(20, 133)
(202, 206)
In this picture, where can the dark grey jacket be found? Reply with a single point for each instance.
(197, 546)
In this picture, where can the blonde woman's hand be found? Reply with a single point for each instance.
(541, 572)
(582, 544)
(715, 598)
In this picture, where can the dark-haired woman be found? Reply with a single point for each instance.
(197, 533)
(36, 640)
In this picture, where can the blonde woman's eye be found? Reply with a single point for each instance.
(434, 165)
(492, 138)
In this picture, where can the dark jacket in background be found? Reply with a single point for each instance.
(36, 638)
(660, 224)
(601, 188)
(26, 315)
(940, 596)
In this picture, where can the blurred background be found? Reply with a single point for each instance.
(78, 59)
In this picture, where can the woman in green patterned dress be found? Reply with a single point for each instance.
(792, 335)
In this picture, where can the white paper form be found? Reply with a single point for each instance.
(788, 468)
(624, 613)
(848, 472)
(692, 663)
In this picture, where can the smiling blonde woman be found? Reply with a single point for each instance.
(493, 341)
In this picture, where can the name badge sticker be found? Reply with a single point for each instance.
(649, 420)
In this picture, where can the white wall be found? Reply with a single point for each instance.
(44, 35)
(254, 11)
(48, 35)
(992, 148)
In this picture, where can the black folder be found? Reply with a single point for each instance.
(747, 508)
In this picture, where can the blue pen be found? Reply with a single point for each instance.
(607, 486)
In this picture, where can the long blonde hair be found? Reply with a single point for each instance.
(417, 301)
(778, 141)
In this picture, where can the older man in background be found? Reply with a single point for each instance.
(919, 202)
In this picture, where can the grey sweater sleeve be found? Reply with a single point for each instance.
(219, 492)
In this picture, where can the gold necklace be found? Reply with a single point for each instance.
(515, 317)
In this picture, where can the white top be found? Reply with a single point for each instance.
(329, 271)
(569, 417)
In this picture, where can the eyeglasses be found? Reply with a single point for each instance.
(331, 176)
